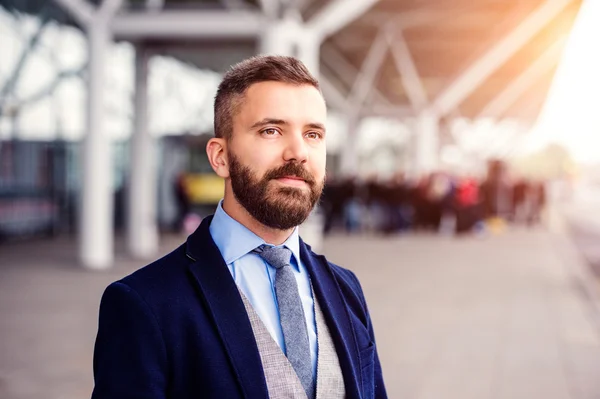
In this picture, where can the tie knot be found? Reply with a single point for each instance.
(277, 257)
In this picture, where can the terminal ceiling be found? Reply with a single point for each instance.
(444, 37)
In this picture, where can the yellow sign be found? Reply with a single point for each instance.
(204, 188)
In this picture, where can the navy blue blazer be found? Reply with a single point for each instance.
(177, 328)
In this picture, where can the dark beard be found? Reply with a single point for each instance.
(280, 208)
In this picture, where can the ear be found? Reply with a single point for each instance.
(216, 149)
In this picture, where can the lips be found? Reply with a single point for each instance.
(292, 173)
(292, 178)
(292, 181)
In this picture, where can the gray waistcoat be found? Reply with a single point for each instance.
(282, 381)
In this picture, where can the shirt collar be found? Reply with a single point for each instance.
(234, 240)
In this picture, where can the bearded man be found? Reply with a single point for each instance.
(244, 308)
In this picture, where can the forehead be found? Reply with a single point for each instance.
(290, 102)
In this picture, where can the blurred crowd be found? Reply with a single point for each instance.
(438, 202)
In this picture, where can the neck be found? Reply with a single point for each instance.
(270, 235)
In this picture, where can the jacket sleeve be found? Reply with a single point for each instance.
(130, 359)
(379, 386)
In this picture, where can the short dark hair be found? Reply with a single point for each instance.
(241, 76)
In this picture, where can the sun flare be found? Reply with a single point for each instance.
(571, 114)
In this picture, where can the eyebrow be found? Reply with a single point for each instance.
(269, 121)
(318, 126)
(273, 121)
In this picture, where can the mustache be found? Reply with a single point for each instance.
(290, 169)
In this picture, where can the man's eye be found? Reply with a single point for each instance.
(270, 132)
(313, 135)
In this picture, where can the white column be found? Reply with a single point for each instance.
(96, 213)
(142, 231)
(287, 36)
(309, 50)
(307, 47)
(278, 37)
(349, 151)
(410, 163)
(426, 142)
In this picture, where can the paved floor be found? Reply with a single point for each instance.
(503, 317)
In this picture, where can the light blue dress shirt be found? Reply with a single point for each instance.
(256, 278)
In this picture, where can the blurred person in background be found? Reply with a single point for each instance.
(244, 308)
(374, 209)
(496, 191)
(396, 200)
(519, 194)
(354, 205)
(182, 201)
(467, 205)
(336, 194)
(420, 203)
(537, 199)
(439, 195)
(431, 197)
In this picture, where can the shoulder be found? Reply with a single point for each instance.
(161, 279)
(168, 265)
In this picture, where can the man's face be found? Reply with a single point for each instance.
(277, 153)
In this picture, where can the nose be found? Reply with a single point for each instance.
(296, 149)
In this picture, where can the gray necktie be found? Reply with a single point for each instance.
(291, 314)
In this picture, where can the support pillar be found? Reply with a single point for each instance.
(96, 212)
(349, 151)
(426, 142)
(287, 36)
(278, 38)
(309, 51)
(142, 231)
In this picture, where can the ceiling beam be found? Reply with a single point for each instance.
(270, 7)
(337, 14)
(107, 10)
(200, 24)
(406, 67)
(368, 71)
(468, 81)
(332, 94)
(80, 10)
(359, 41)
(87, 15)
(347, 72)
(430, 16)
(507, 97)
(393, 111)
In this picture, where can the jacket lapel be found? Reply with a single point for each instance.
(336, 315)
(220, 294)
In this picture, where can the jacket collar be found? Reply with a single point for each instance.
(224, 304)
(328, 292)
(220, 293)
